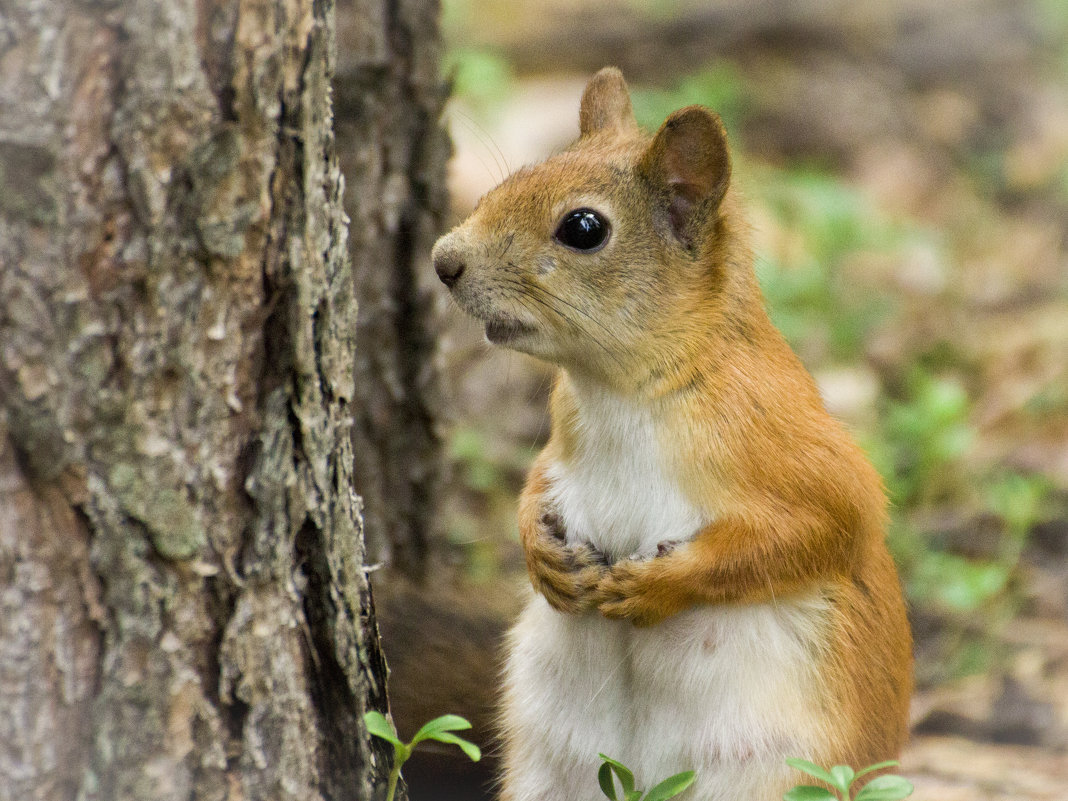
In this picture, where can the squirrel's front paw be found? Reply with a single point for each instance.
(566, 575)
(631, 591)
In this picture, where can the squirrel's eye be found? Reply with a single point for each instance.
(582, 229)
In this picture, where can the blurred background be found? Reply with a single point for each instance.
(905, 168)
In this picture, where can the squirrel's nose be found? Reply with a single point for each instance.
(449, 266)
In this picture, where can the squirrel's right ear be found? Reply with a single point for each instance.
(689, 161)
(606, 104)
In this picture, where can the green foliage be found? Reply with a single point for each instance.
(480, 76)
(921, 449)
(925, 433)
(488, 479)
(468, 451)
(440, 729)
(842, 777)
(809, 297)
(611, 770)
(835, 218)
(719, 86)
(966, 584)
(1021, 502)
(1053, 17)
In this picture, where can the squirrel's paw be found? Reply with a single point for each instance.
(567, 575)
(629, 592)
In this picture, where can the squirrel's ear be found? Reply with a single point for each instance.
(606, 104)
(689, 159)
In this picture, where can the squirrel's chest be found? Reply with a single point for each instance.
(616, 490)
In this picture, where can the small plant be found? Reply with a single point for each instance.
(841, 777)
(440, 729)
(669, 788)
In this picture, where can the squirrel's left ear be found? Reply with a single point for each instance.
(688, 158)
(606, 104)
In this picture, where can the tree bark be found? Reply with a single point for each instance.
(388, 90)
(185, 611)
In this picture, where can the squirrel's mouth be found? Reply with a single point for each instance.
(501, 332)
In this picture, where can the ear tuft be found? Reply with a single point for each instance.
(606, 104)
(689, 159)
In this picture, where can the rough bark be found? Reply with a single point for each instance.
(388, 90)
(185, 612)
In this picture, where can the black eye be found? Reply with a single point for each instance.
(582, 229)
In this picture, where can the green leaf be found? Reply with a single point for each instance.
(377, 725)
(433, 727)
(626, 778)
(890, 763)
(843, 777)
(473, 752)
(811, 769)
(885, 788)
(807, 792)
(671, 786)
(608, 784)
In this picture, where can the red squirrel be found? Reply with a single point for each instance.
(706, 541)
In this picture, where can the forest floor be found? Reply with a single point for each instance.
(906, 169)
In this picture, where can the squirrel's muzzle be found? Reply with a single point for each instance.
(449, 265)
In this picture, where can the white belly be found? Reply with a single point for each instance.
(725, 691)
(624, 510)
(728, 691)
(616, 491)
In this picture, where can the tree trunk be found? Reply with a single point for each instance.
(185, 612)
(388, 89)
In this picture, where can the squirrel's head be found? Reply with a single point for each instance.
(597, 257)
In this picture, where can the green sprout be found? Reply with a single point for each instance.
(440, 729)
(841, 777)
(669, 788)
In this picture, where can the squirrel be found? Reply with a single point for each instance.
(713, 590)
